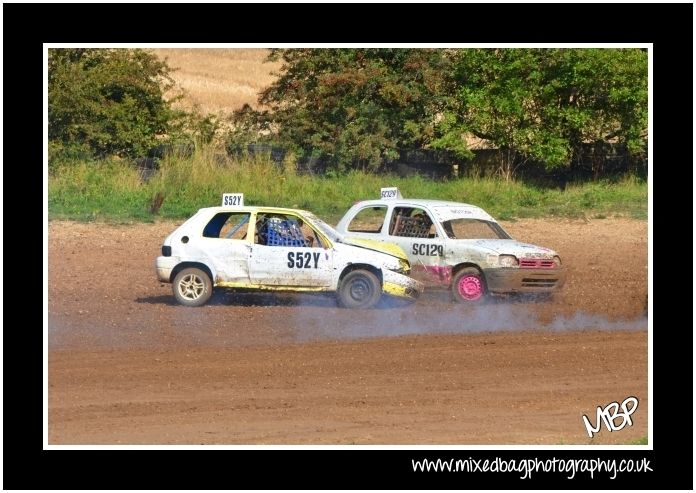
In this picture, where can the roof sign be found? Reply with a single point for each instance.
(390, 193)
(233, 200)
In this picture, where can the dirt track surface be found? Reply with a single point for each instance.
(129, 366)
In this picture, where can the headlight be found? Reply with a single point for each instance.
(557, 261)
(507, 261)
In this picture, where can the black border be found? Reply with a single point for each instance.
(669, 27)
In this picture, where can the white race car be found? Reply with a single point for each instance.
(276, 249)
(455, 245)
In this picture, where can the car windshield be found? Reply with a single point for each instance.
(474, 229)
(327, 230)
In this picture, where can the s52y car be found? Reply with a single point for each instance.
(278, 249)
(455, 245)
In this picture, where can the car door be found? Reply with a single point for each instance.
(414, 230)
(288, 252)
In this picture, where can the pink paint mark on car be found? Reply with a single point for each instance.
(443, 273)
(536, 263)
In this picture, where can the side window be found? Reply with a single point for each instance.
(284, 230)
(228, 225)
(368, 220)
(411, 222)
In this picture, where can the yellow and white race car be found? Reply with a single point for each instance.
(278, 249)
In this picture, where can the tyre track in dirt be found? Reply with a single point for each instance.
(127, 365)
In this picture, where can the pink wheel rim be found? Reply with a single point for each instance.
(470, 288)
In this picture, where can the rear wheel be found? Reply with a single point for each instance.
(469, 286)
(359, 289)
(192, 287)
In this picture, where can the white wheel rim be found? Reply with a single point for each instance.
(191, 287)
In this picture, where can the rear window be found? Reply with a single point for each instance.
(368, 220)
(227, 225)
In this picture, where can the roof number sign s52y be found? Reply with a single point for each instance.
(233, 200)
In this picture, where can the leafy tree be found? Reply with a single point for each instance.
(543, 104)
(107, 101)
(600, 96)
(355, 106)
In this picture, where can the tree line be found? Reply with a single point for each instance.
(361, 108)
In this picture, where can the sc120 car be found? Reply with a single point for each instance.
(277, 249)
(455, 245)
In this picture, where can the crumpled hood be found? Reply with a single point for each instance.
(516, 248)
(377, 246)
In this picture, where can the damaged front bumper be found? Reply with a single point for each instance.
(401, 286)
(516, 280)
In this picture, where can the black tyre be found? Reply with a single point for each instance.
(469, 286)
(192, 287)
(359, 289)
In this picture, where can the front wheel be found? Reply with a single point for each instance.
(192, 287)
(359, 289)
(469, 285)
